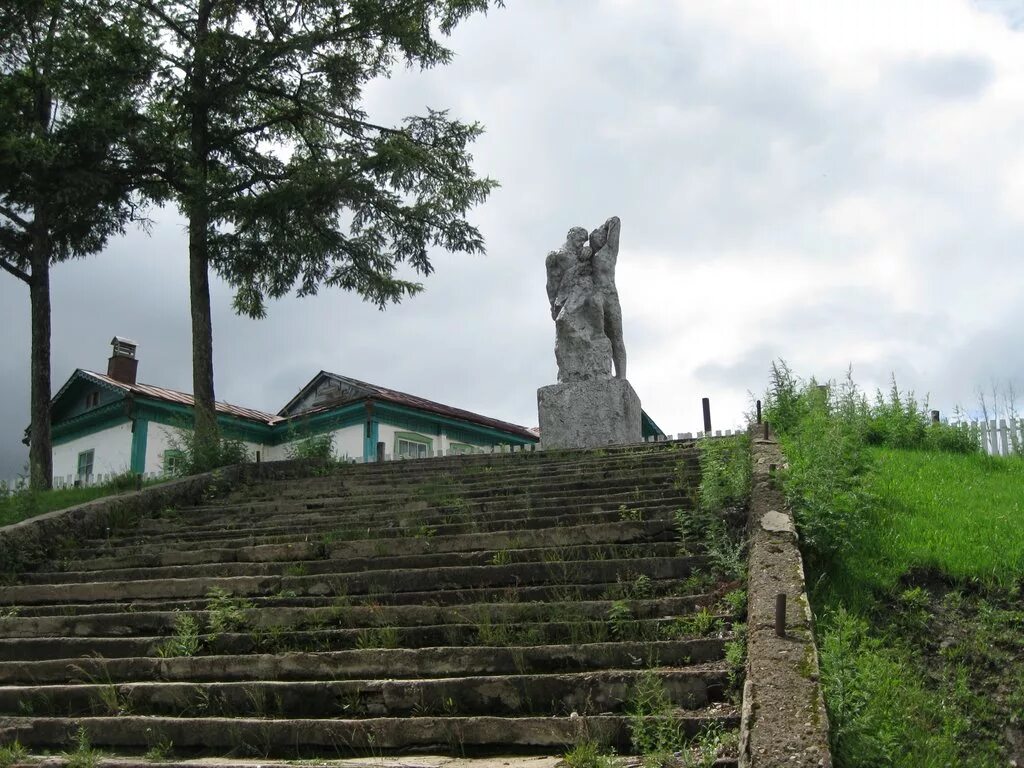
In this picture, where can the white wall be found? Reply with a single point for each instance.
(348, 443)
(112, 452)
(160, 437)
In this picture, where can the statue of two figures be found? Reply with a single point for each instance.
(585, 304)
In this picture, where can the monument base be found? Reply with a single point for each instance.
(589, 414)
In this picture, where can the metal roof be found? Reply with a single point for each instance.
(375, 392)
(183, 398)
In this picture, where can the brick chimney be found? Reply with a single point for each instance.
(123, 365)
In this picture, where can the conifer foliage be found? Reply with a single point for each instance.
(286, 182)
(73, 74)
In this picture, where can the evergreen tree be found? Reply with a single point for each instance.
(72, 75)
(285, 181)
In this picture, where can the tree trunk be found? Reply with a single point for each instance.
(206, 434)
(40, 447)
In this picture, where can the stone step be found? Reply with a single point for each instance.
(617, 532)
(388, 663)
(702, 582)
(366, 582)
(586, 693)
(298, 738)
(320, 640)
(422, 759)
(142, 622)
(407, 523)
(582, 552)
(342, 533)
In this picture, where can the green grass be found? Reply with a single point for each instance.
(959, 514)
(956, 515)
(23, 505)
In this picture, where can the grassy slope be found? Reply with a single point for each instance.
(22, 505)
(922, 623)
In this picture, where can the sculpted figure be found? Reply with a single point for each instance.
(585, 304)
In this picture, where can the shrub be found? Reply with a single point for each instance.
(313, 447)
(198, 457)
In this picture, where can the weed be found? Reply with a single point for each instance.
(633, 515)
(160, 751)
(654, 731)
(501, 557)
(83, 756)
(12, 754)
(736, 600)
(113, 701)
(378, 637)
(590, 754)
(225, 613)
(296, 570)
(621, 620)
(701, 623)
(313, 447)
(185, 641)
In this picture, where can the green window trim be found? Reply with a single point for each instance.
(412, 437)
(86, 461)
(461, 448)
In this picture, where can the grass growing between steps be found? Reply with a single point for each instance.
(915, 556)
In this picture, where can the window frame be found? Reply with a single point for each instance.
(412, 438)
(91, 453)
(170, 458)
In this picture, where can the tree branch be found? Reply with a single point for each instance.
(10, 214)
(18, 273)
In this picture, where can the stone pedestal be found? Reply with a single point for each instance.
(589, 414)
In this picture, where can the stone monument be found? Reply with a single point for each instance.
(589, 407)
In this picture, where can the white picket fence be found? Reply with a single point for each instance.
(998, 437)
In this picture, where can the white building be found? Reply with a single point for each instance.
(108, 423)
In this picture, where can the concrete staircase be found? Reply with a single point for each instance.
(516, 603)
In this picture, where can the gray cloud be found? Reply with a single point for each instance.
(944, 77)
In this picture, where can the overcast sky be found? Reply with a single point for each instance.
(833, 183)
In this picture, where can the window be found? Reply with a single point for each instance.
(411, 445)
(173, 461)
(85, 465)
(461, 448)
(412, 449)
(92, 399)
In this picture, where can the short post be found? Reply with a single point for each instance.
(706, 404)
(758, 411)
(780, 614)
(935, 417)
(380, 452)
(766, 430)
(138, 482)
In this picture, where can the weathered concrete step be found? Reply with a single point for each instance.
(408, 523)
(343, 533)
(410, 474)
(391, 663)
(397, 511)
(143, 623)
(448, 597)
(297, 738)
(381, 582)
(619, 532)
(433, 488)
(584, 552)
(273, 641)
(586, 693)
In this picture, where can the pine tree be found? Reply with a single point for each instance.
(73, 76)
(285, 181)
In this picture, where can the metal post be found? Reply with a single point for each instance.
(766, 430)
(935, 417)
(758, 411)
(706, 403)
(380, 451)
(780, 614)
